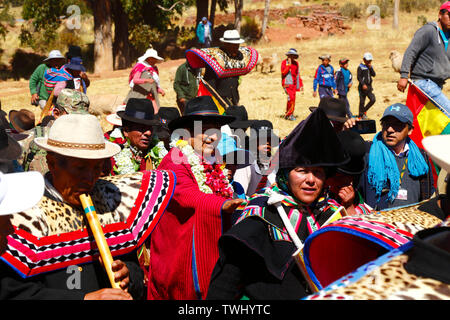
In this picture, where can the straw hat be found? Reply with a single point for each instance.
(232, 36)
(54, 54)
(150, 53)
(78, 136)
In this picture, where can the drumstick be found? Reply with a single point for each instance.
(99, 236)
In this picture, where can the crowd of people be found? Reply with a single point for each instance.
(198, 183)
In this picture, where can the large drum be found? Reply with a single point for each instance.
(346, 244)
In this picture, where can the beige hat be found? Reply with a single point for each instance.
(78, 136)
(438, 148)
(113, 118)
(232, 36)
(150, 53)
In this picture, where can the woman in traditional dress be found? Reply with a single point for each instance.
(183, 247)
(256, 254)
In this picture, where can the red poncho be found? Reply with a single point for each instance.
(184, 250)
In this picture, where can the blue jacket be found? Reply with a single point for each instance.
(341, 84)
(201, 31)
(324, 78)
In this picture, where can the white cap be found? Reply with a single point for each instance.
(113, 118)
(54, 54)
(20, 191)
(368, 56)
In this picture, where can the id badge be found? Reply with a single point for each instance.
(402, 194)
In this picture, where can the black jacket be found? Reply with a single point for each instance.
(71, 283)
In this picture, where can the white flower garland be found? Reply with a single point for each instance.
(194, 161)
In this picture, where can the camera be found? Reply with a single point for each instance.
(365, 126)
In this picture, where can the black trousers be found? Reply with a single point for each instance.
(363, 94)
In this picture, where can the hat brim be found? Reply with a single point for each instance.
(110, 150)
(50, 58)
(12, 119)
(331, 117)
(23, 191)
(241, 124)
(75, 67)
(232, 41)
(153, 122)
(114, 119)
(438, 149)
(12, 151)
(185, 121)
(353, 167)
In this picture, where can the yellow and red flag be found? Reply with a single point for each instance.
(430, 119)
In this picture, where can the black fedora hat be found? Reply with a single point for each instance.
(200, 108)
(74, 51)
(355, 146)
(241, 115)
(10, 149)
(140, 111)
(167, 114)
(334, 109)
(262, 129)
(312, 143)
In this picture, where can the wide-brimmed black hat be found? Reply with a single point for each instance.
(241, 115)
(355, 146)
(262, 129)
(167, 114)
(334, 109)
(200, 108)
(313, 143)
(140, 111)
(10, 149)
(74, 51)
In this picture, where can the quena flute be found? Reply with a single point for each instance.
(99, 236)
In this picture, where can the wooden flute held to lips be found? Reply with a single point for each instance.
(99, 236)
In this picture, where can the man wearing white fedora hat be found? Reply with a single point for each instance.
(76, 152)
(227, 87)
(39, 94)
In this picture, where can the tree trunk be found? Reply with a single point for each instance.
(238, 6)
(202, 10)
(396, 9)
(212, 12)
(121, 45)
(103, 54)
(265, 19)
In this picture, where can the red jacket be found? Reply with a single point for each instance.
(184, 247)
(290, 75)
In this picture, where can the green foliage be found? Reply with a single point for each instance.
(350, 10)
(420, 5)
(421, 20)
(293, 12)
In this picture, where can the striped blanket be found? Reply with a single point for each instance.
(54, 75)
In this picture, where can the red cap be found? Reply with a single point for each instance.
(445, 6)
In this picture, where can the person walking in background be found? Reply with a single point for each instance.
(427, 59)
(344, 81)
(39, 93)
(185, 84)
(365, 75)
(324, 78)
(204, 33)
(291, 81)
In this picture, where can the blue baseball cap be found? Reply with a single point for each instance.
(399, 111)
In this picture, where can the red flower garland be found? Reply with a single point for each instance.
(216, 180)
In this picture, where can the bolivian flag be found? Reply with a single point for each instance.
(430, 119)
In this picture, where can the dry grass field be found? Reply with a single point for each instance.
(262, 94)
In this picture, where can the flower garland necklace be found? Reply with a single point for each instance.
(128, 160)
(211, 178)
